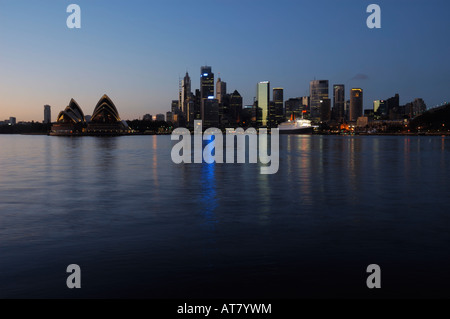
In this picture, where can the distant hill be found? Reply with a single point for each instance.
(437, 119)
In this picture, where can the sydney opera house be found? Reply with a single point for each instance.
(105, 120)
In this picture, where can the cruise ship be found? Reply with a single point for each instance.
(296, 126)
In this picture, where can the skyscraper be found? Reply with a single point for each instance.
(338, 102)
(263, 100)
(325, 110)
(356, 104)
(185, 91)
(175, 107)
(318, 91)
(392, 106)
(47, 114)
(221, 90)
(278, 111)
(206, 82)
(235, 107)
(210, 112)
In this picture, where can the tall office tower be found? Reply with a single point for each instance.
(338, 102)
(221, 90)
(210, 112)
(278, 109)
(12, 121)
(206, 82)
(263, 99)
(185, 91)
(47, 114)
(175, 107)
(318, 91)
(325, 110)
(347, 110)
(392, 106)
(235, 107)
(197, 105)
(356, 104)
(160, 117)
(190, 112)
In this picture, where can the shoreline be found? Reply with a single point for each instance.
(443, 134)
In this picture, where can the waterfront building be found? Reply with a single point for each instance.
(338, 102)
(262, 102)
(325, 110)
(206, 82)
(356, 104)
(47, 114)
(318, 91)
(277, 111)
(210, 112)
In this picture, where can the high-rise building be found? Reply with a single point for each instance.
(12, 121)
(325, 110)
(235, 107)
(197, 105)
(210, 112)
(175, 107)
(47, 114)
(248, 115)
(185, 91)
(221, 90)
(338, 102)
(277, 112)
(347, 110)
(263, 100)
(393, 106)
(318, 91)
(206, 82)
(356, 104)
(293, 107)
(296, 107)
(190, 112)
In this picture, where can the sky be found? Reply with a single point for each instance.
(136, 51)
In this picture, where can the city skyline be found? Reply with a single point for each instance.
(138, 61)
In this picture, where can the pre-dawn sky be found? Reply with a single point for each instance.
(135, 51)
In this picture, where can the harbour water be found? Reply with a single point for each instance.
(140, 226)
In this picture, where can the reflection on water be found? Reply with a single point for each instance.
(212, 230)
(208, 194)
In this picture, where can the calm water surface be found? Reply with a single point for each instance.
(141, 226)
